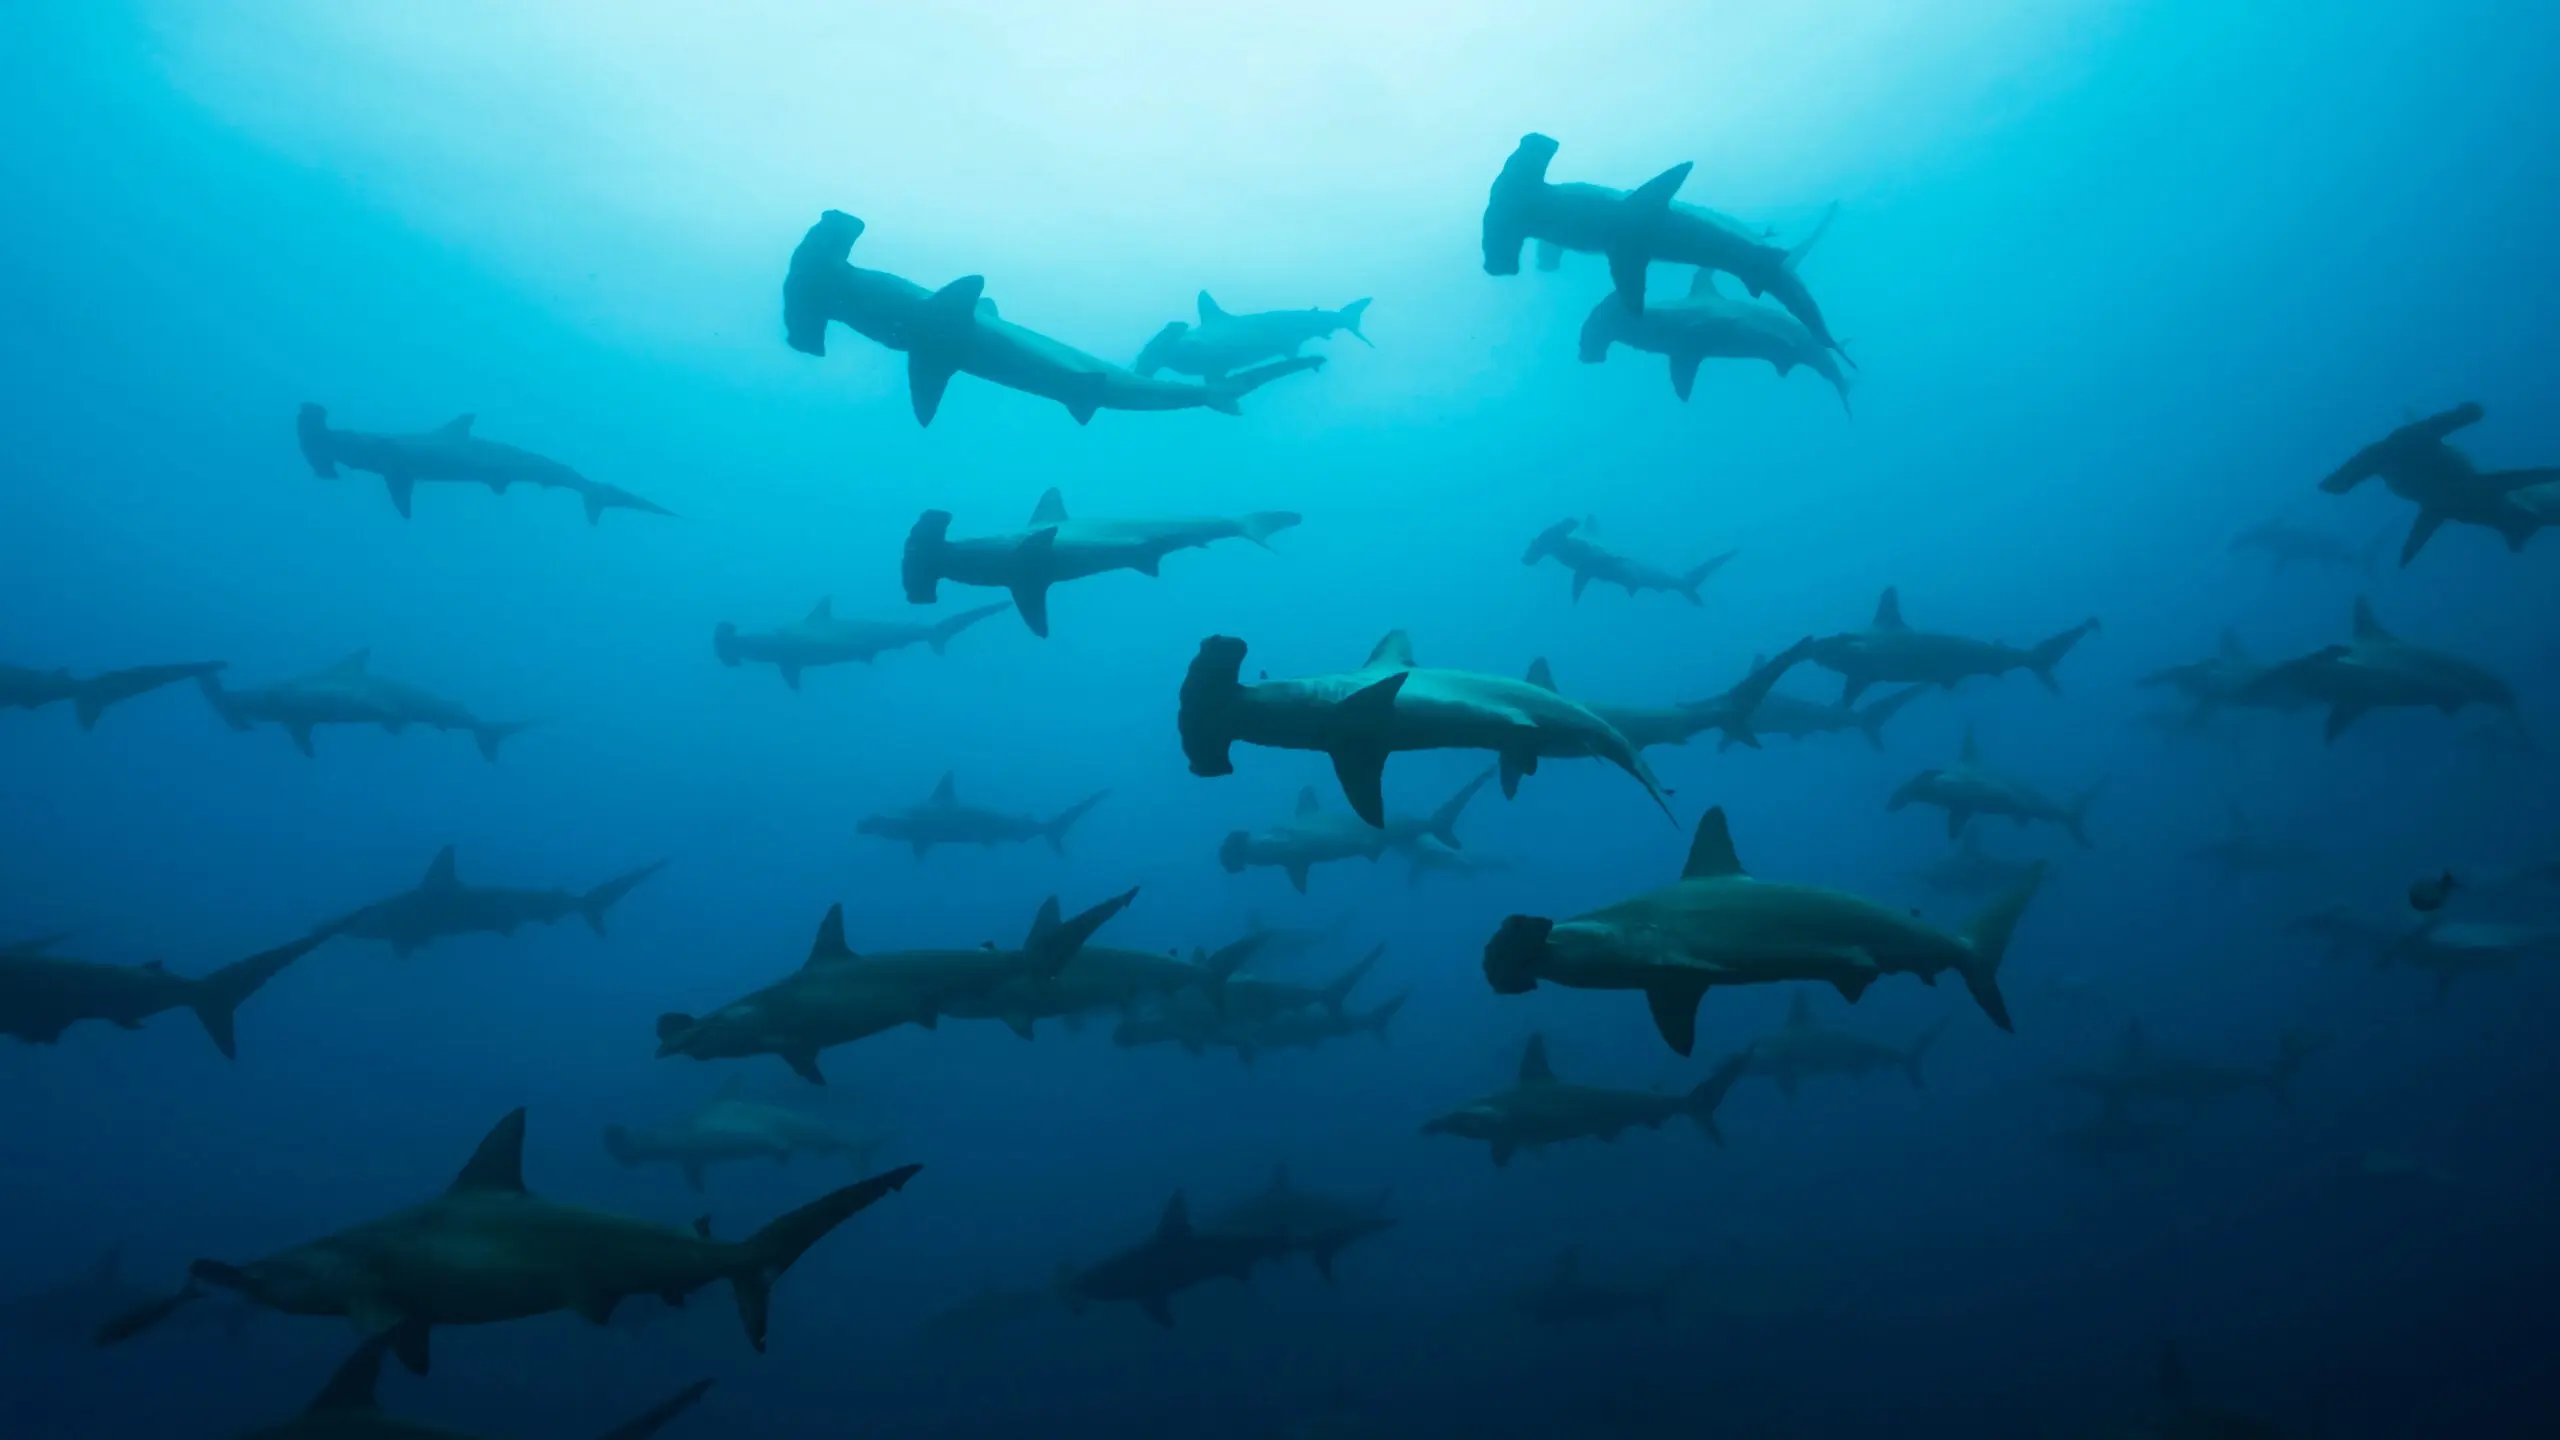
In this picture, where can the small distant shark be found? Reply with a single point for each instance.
(1710, 326)
(487, 1250)
(1590, 560)
(1539, 1110)
(2243, 852)
(25, 689)
(1803, 1050)
(1716, 925)
(1224, 343)
(69, 1311)
(1177, 1257)
(1967, 789)
(728, 1127)
(2419, 467)
(1102, 978)
(345, 1409)
(1890, 650)
(1634, 229)
(2114, 1131)
(1775, 712)
(1308, 1222)
(2140, 1073)
(1197, 1028)
(2376, 670)
(838, 997)
(43, 995)
(441, 906)
(1253, 1000)
(1313, 836)
(2453, 949)
(1360, 717)
(1737, 714)
(2287, 544)
(1055, 549)
(2208, 685)
(450, 452)
(349, 693)
(1567, 1295)
(819, 638)
(942, 820)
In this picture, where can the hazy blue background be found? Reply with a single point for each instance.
(2124, 279)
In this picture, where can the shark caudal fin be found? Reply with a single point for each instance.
(1443, 824)
(1053, 942)
(1986, 941)
(1338, 990)
(1710, 1093)
(311, 427)
(2075, 816)
(920, 567)
(1871, 720)
(764, 1256)
(1210, 688)
(98, 692)
(1919, 1050)
(593, 905)
(220, 699)
(1350, 315)
(1743, 701)
(1227, 389)
(217, 997)
(655, 1418)
(2049, 652)
(1699, 573)
(940, 635)
(1261, 525)
(492, 734)
(1376, 1021)
(1055, 831)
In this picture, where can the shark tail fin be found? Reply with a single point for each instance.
(1261, 525)
(1919, 1051)
(1444, 821)
(724, 643)
(100, 691)
(1699, 573)
(311, 427)
(940, 635)
(492, 734)
(655, 1418)
(593, 905)
(920, 567)
(1225, 391)
(1055, 831)
(1376, 1021)
(1986, 939)
(1710, 1093)
(218, 996)
(1338, 989)
(1350, 316)
(220, 699)
(2049, 652)
(1871, 720)
(1053, 942)
(765, 1255)
(1812, 237)
(2075, 816)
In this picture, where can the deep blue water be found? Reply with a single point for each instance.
(2122, 281)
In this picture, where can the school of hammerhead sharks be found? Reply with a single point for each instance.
(487, 1250)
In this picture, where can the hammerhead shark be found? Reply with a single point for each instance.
(441, 905)
(943, 820)
(1968, 788)
(488, 1250)
(2420, 467)
(1539, 1110)
(1566, 1294)
(1710, 326)
(2374, 670)
(1054, 549)
(1313, 835)
(1359, 717)
(1738, 714)
(450, 452)
(42, 995)
(349, 693)
(821, 639)
(1590, 560)
(1177, 1257)
(1224, 343)
(1889, 649)
(25, 689)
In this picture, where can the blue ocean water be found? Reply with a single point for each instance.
(2121, 281)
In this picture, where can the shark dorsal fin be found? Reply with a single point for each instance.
(1176, 1224)
(351, 1385)
(352, 663)
(730, 1089)
(2231, 648)
(497, 1167)
(1702, 285)
(1534, 1069)
(457, 428)
(943, 793)
(1394, 650)
(1800, 1012)
(1042, 923)
(1279, 1179)
(1308, 804)
(825, 609)
(1209, 309)
(1972, 751)
(1889, 610)
(1052, 509)
(1711, 854)
(1542, 675)
(440, 872)
(2367, 627)
(830, 946)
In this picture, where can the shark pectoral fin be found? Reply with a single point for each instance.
(1684, 373)
(1502, 1153)
(1031, 599)
(804, 1063)
(301, 735)
(1514, 765)
(2420, 532)
(1158, 1310)
(401, 488)
(1581, 582)
(1957, 819)
(1020, 1025)
(1151, 566)
(1357, 741)
(790, 673)
(595, 1308)
(2340, 717)
(928, 376)
(1675, 1013)
(1298, 878)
